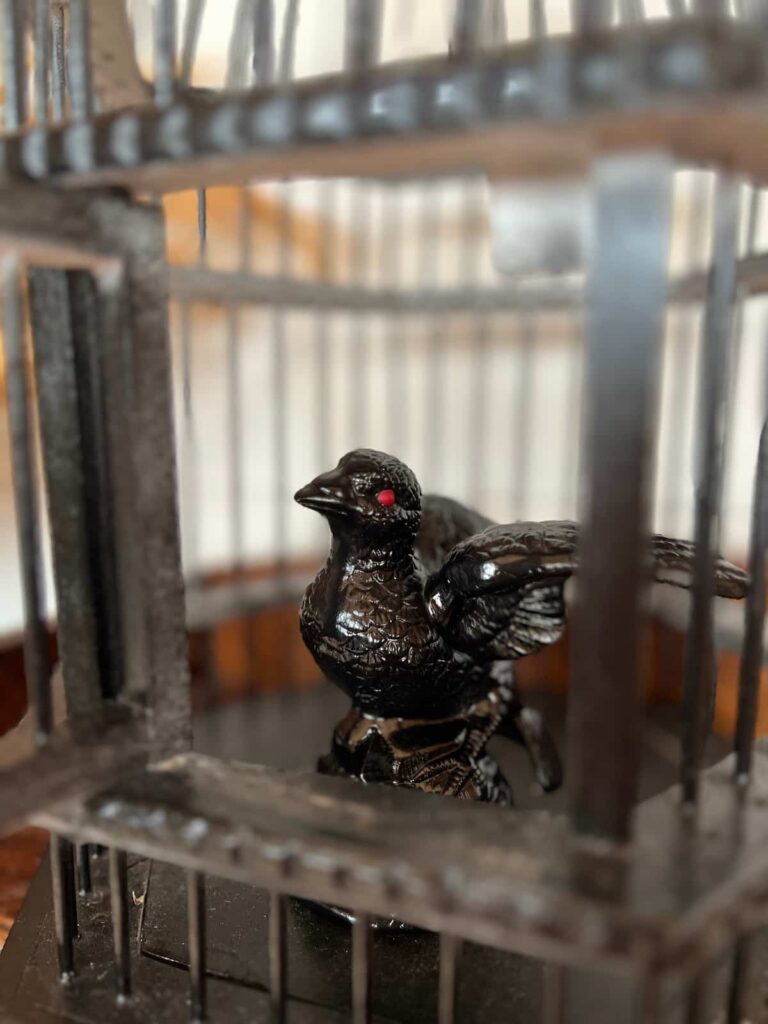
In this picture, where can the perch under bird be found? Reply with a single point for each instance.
(419, 614)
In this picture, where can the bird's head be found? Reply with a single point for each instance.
(369, 494)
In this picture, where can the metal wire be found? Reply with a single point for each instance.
(450, 947)
(59, 62)
(197, 945)
(361, 969)
(277, 956)
(64, 903)
(190, 36)
(118, 898)
(42, 34)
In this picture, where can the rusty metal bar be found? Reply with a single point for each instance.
(197, 949)
(278, 965)
(37, 665)
(754, 617)
(699, 667)
(362, 939)
(118, 899)
(626, 295)
(14, 72)
(450, 947)
(62, 879)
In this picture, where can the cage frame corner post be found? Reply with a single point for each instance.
(626, 297)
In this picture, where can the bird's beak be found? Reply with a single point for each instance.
(327, 494)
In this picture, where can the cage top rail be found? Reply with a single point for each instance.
(533, 107)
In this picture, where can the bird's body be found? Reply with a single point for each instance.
(418, 614)
(365, 620)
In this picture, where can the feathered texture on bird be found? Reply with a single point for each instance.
(420, 611)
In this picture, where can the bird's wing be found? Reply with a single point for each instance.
(444, 524)
(499, 594)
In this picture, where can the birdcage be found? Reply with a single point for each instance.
(518, 245)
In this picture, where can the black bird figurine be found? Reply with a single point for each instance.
(419, 614)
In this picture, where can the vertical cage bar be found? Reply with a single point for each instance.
(14, 72)
(202, 227)
(189, 473)
(190, 36)
(239, 45)
(37, 666)
(288, 41)
(523, 408)
(590, 15)
(118, 900)
(397, 351)
(263, 43)
(42, 59)
(84, 869)
(362, 936)
(754, 617)
(699, 666)
(363, 34)
(467, 22)
(234, 439)
(79, 61)
(450, 947)
(277, 955)
(74, 501)
(627, 290)
(165, 51)
(62, 881)
(553, 994)
(196, 942)
(742, 990)
(58, 62)
(537, 19)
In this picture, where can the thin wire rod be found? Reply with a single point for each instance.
(429, 272)
(79, 61)
(264, 43)
(397, 350)
(118, 899)
(190, 37)
(359, 325)
(235, 439)
(279, 382)
(754, 616)
(202, 227)
(37, 665)
(450, 947)
(165, 51)
(196, 945)
(190, 476)
(277, 956)
(286, 60)
(362, 935)
(84, 868)
(521, 459)
(42, 36)
(698, 671)
(328, 196)
(553, 994)
(65, 924)
(58, 62)
(631, 11)
(14, 72)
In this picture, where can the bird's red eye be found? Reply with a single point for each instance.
(386, 497)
